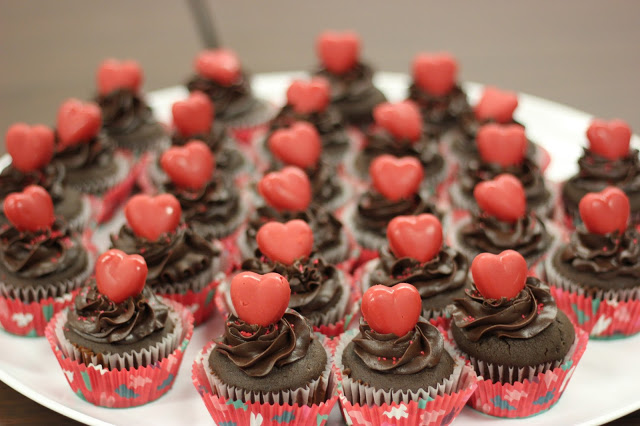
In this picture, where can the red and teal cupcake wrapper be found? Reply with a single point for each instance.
(201, 303)
(119, 388)
(31, 319)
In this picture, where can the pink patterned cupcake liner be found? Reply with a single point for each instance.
(31, 319)
(201, 303)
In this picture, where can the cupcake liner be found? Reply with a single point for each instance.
(31, 319)
(123, 387)
(101, 186)
(138, 147)
(365, 239)
(245, 127)
(81, 221)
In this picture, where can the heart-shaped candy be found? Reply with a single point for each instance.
(503, 144)
(285, 242)
(338, 51)
(401, 119)
(194, 115)
(260, 299)
(435, 73)
(219, 65)
(502, 275)
(496, 105)
(29, 210)
(503, 197)
(77, 122)
(396, 178)
(114, 74)
(150, 217)
(418, 237)
(392, 309)
(605, 211)
(310, 96)
(30, 147)
(609, 139)
(120, 275)
(299, 145)
(288, 189)
(189, 166)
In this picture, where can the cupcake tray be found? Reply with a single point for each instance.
(603, 388)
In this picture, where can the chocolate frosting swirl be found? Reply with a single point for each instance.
(49, 177)
(230, 101)
(420, 348)
(256, 350)
(100, 320)
(328, 123)
(124, 111)
(325, 183)
(173, 258)
(98, 152)
(441, 112)
(521, 317)
(218, 141)
(380, 142)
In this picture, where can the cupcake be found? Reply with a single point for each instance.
(416, 255)
(595, 277)
(119, 345)
(503, 222)
(352, 89)
(126, 117)
(183, 265)
(502, 149)
(608, 161)
(31, 149)
(42, 263)
(512, 332)
(268, 364)
(399, 365)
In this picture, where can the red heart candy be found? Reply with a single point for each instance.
(119, 275)
(190, 166)
(285, 242)
(114, 75)
(503, 197)
(299, 145)
(392, 309)
(260, 299)
(29, 210)
(605, 211)
(338, 51)
(502, 275)
(418, 237)
(396, 178)
(401, 119)
(496, 105)
(435, 73)
(609, 139)
(150, 217)
(288, 189)
(309, 96)
(219, 65)
(77, 122)
(30, 147)
(194, 115)
(503, 144)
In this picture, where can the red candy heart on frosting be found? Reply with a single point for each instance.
(219, 65)
(503, 197)
(114, 74)
(309, 96)
(30, 147)
(120, 275)
(260, 299)
(299, 145)
(609, 139)
(401, 119)
(338, 51)
(288, 189)
(396, 178)
(435, 73)
(496, 105)
(190, 166)
(29, 210)
(392, 309)
(194, 115)
(285, 242)
(78, 122)
(605, 211)
(502, 275)
(503, 144)
(418, 237)
(150, 217)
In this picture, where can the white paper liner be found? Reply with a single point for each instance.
(81, 220)
(101, 186)
(368, 240)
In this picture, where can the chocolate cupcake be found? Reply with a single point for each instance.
(352, 89)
